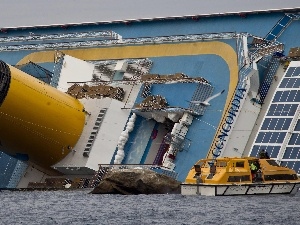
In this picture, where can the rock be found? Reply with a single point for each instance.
(136, 181)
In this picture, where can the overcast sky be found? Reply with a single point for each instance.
(15, 13)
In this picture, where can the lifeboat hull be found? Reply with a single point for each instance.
(240, 189)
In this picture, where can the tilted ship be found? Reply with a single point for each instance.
(159, 101)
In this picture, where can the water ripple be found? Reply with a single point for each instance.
(79, 207)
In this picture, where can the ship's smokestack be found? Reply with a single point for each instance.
(37, 120)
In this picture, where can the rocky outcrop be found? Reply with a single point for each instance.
(136, 181)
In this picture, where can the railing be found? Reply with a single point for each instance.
(128, 41)
(44, 37)
(279, 28)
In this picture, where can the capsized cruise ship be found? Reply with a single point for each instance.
(160, 93)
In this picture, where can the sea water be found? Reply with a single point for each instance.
(80, 207)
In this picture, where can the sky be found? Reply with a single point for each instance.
(16, 13)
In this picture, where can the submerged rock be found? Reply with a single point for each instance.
(136, 181)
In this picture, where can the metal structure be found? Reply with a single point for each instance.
(127, 41)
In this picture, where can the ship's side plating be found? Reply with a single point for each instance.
(37, 121)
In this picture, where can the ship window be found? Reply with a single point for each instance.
(297, 128)
(287, 96)
(239, 164)
(276, 124)
(275, 110)
(290, 71)
(281, 177)
(297, 72)
(273, 151)
(295, 153)
(290, 83)
(284, 82)
(281, 96)
(296, 98)
(272, 162)
(270, 137)
(289, 109)
(297, 167)
(221, 164)
(295, 140)
(287, 153)
(238, 178)
(286, 124)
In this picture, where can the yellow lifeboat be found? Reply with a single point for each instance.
(239, 176)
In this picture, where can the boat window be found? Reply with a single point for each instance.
(221, 164)
(281, 177)
(238, 178)
(239, 164)
(272, 162)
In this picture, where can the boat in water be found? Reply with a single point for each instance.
(239, 176)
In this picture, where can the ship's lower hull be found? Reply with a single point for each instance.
(243, 189)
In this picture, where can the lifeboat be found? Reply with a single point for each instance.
(239, 176)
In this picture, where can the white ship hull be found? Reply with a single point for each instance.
(244, 189)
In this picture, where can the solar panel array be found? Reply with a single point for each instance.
(279, 133)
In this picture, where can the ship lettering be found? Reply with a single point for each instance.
(226, 127)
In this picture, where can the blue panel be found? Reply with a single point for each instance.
(297, 72)
(285, 20)
(270, 137)
(280, 96)
(273, 151)
(281, 137)
(298, 140)
(7, 166)
(290, 72)
(259, 137)
(293, 139)
(267, 124)
(287, 153)
(278, 123)
(289, 109)
(284, 163)
(287, 96)
(276, 30)
(296, 83)
(267, 137)
(290, 164)
(297, 128)
(282, 109)
(297, 167)
(294, 96)
(275, 110)
(290, 83)
(297, 97)
(255, 150)
(293, 82)
(287, 123)
(294, 153)
(285, 82)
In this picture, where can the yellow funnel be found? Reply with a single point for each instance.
(36, 119)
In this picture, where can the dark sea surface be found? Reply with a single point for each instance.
(80, 207)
